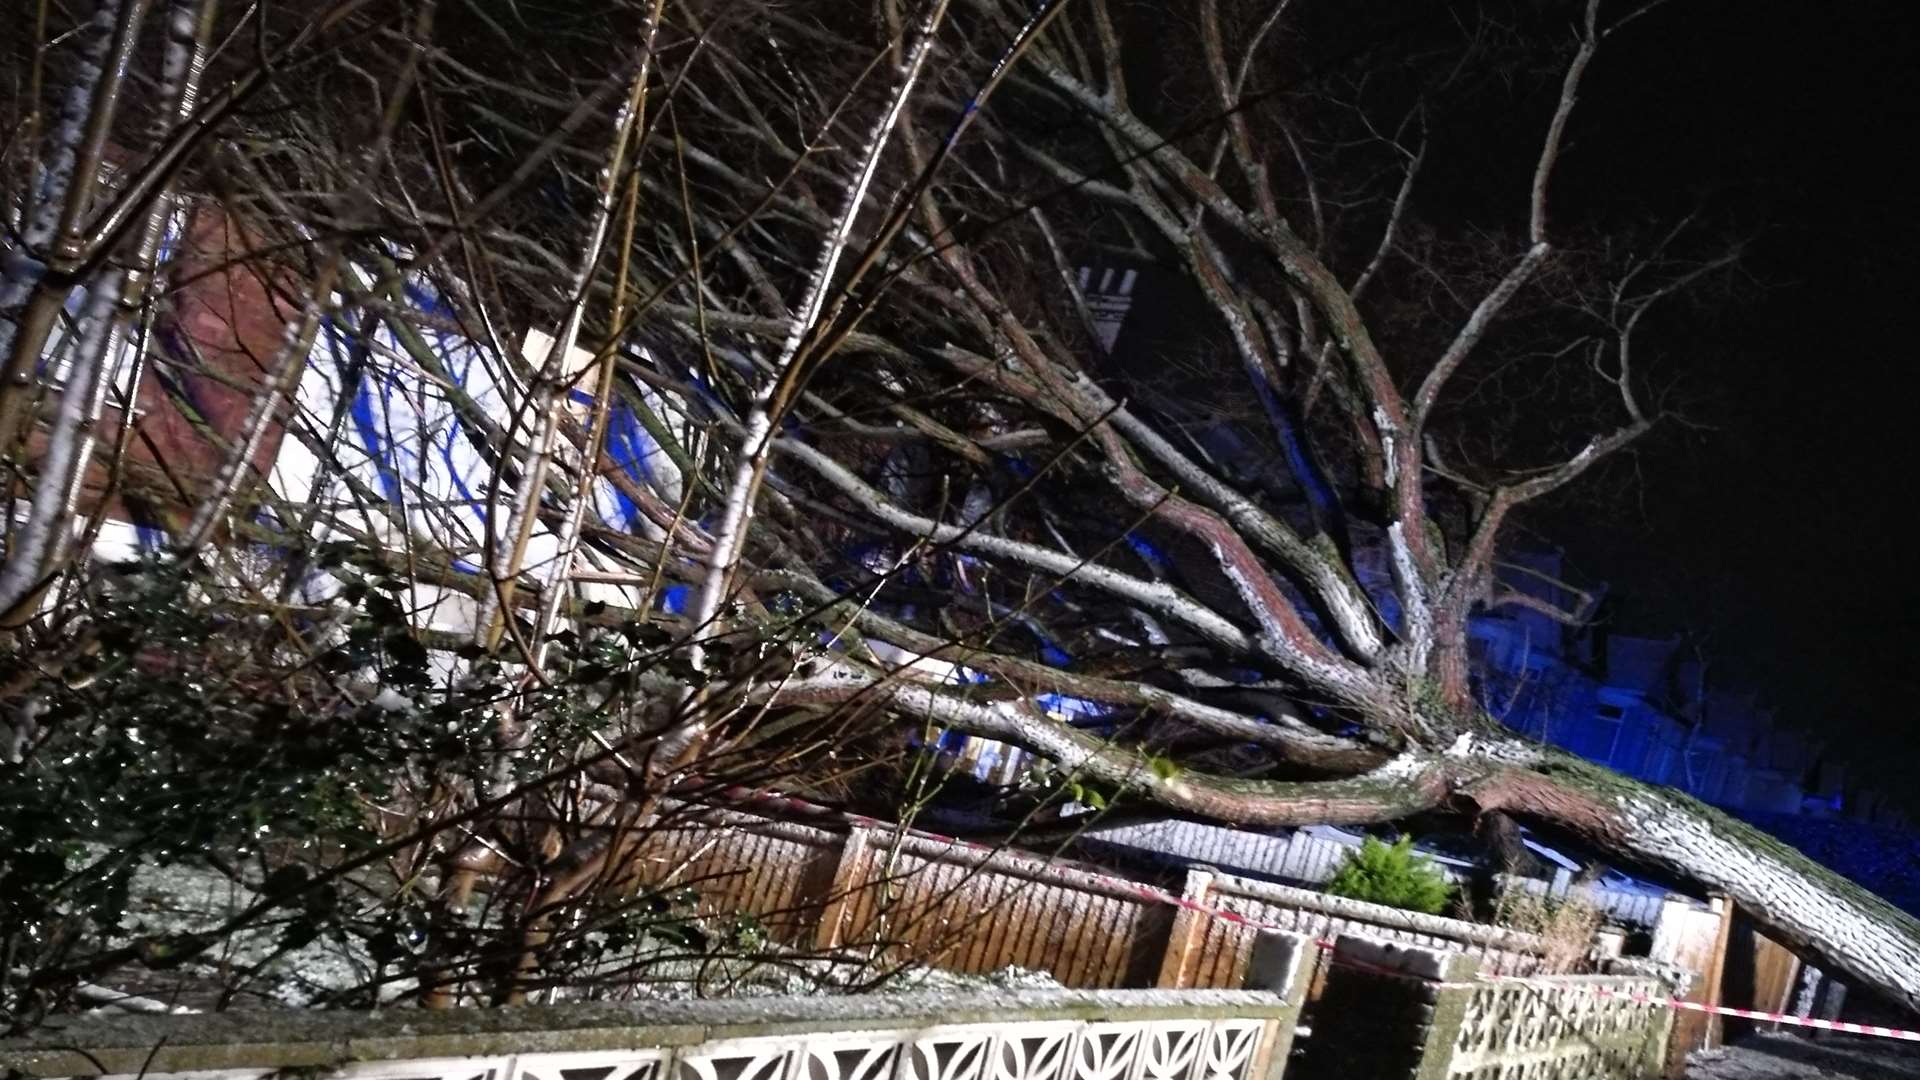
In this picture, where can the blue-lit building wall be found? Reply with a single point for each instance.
(1644, 706)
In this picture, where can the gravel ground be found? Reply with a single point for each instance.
(1786, 1057)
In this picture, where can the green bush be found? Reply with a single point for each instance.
(1394, 875)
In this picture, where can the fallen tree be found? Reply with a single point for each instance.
(838, 288)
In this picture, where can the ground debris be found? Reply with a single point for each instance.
(1788, 1057)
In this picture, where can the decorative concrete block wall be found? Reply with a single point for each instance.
(1030, 1035)
(1283, 965)
(1568, 1027)
(1205, 951)
(1389, 1012)
(1400, 1012)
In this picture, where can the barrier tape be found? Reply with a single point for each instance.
(1723, 1010)
(1159, 895)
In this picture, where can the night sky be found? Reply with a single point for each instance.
(1765, 521)
(1776, 530)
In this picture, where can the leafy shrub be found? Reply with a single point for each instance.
(1394, 875)
(254, 800)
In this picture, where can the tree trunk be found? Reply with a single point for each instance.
(1841, 924)
(1803, 903)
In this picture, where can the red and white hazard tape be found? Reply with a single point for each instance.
(1725, 1010)
(1159, 895)
(1784, 1018)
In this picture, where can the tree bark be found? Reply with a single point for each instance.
(1800, 901)
(1843, 925)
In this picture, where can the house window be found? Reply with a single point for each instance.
(1604, 742)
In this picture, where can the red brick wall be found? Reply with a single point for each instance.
(223, 311)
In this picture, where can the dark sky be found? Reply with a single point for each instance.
(1780, 530)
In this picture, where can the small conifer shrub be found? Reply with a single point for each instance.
(1394, 875)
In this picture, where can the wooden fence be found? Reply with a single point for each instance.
(1641, 909)
(1695, 939)
(897, 899)
(969, 910)
(774, 872)
(906, 899)
(1760, 974)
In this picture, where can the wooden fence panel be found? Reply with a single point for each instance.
(776, 873)
(1695, 939)
(919, 900)
(1761, 974)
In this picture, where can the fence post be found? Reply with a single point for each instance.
(1694, 939)
(1189, 930)
(849, 878)
(1390, 1011)
(1717, 971)
(1833, 999)
(1283, 963)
